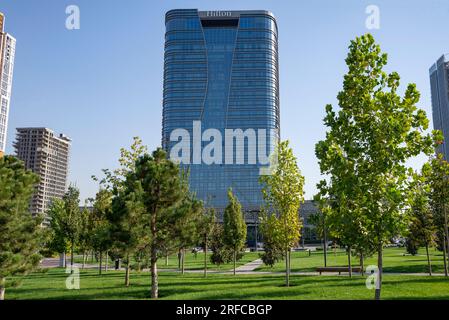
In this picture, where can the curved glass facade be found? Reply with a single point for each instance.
(221, 72)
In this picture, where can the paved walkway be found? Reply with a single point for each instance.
(253, 265)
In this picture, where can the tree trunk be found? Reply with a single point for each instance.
(205, 257)
(166, 260)
(429, 264)
(100, 265)
(84, 260)
(362, 267)
(325, 247)
(153, 259)
(290, 262)
(2, 288)
(107, 261)
(127, 271)
(179, 259)
(379, 266)
(444, 257)
(154, 278)
(287, 270)
(235, 258)
(62, 260)
(71, 256)
(446, 233)
(349, 262)
(256, 234)
(183, 255)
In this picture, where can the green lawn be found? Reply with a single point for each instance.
(394, 261)
(51, 285)
(191, 262)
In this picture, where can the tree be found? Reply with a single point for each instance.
(206, 228)
(369, 141)
(85, 233)
(66, 221)
(127, 160)
(115, 182)
(127, 223)
(58, 240)
(283, 194)
(272, 251)
(20, 234)
(72, 219)
(184, 223)
(101, 237)
(221, 253)
(319, 220)
(234, 226)
(421, 228)
(437, 175)
(344, 219)
(162, 188)
(412, 245)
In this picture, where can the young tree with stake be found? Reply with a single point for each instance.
(234, 226)
(283, 194)
(369, 140)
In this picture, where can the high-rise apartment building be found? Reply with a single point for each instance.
(7, 52)
(47, 155)
(221, 95)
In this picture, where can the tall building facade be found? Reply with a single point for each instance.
(7, 52)
(439, 86)
(47, 155)
(221, 95)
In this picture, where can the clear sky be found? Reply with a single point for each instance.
(102, 85)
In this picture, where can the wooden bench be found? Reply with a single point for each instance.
(337, 269)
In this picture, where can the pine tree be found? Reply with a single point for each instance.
(20, 233)
(185, 231)
(162, 188)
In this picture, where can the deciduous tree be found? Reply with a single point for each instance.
(421, 227)
(437, 175)
(370, 138)
(234, 226)
(283, 194)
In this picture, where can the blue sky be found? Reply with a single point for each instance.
(102, 85)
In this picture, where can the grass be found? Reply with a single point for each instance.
(51, 285)
(191, 262)
(394, 261)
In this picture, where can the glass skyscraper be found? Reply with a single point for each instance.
(7, 52)
(439, 85)
(221, 76)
